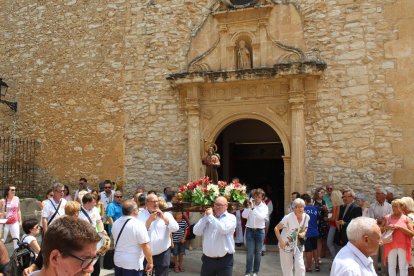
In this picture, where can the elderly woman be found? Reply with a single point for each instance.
(291, 241)
(400, 246)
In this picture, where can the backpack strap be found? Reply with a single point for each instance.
(86, 215)
(56, 211)
(120, 232)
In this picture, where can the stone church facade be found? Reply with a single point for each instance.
(133, 90)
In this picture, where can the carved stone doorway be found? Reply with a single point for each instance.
(250, 62)
(252, 151)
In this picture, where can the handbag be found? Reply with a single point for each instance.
(386, 237)
(11, 219)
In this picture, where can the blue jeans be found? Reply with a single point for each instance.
(254, 242)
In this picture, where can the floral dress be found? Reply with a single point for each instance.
(323, 226)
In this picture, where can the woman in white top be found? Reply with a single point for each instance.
(292, 239)
(10, 208)
(32, 229)
(256, 214)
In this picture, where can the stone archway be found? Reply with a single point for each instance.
(214, 127)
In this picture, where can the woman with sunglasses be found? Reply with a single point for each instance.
(10, 208)
(32, 229)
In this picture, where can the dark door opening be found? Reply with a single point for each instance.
(252, 151)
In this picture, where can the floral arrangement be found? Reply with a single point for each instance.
(202, 192)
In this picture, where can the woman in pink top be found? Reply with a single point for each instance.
(401, 240)
(10, 209)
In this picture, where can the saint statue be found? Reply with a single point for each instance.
(243, 56)
(212, 162)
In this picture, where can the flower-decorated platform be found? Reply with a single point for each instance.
(200, 194)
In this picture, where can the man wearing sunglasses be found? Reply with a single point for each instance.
(114, 211)
(69, 248)
(54, 207)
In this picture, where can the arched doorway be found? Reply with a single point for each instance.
(252, 151)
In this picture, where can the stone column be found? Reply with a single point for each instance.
(287, 177)
(297, 101)
(193, 127)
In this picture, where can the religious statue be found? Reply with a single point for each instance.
(212, 162)
(243, 56)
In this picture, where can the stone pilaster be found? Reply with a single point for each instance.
(297, 101)
(193, 126)
(287, 177)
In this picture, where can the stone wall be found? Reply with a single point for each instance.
(90, 78)
(352, 134)
(63, 63)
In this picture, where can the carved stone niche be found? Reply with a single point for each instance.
(252, 37)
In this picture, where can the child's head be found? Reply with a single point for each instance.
(178, 216)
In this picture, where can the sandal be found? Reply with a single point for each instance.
(317, 268)
(177, 269)
(181, 269)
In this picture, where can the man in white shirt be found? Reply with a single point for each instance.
(217, 230)
(378, 210)
(354, 259)
(132, 244)
(83, 185)
(159, 225)
(107, 196)
(54, 207)
(91, 214)
(256, 214)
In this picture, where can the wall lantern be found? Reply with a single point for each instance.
(3, 91)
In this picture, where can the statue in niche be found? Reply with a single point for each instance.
(243, 56)
(212, 162)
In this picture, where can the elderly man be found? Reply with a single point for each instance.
(159, 225)
(132, 242)
(69, 248)
(390, 194)
(347, 212)
(53, 207)
(378, 210)
(217, 228)
(354, 258)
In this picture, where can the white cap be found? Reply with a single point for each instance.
(389, 190)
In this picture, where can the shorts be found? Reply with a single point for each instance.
(179, 249)
(311, 244)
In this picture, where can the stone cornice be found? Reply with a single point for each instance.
(308, 68)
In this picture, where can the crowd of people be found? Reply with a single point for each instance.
(147, 237)
(343, 223)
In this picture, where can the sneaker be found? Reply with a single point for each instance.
(254, 274)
